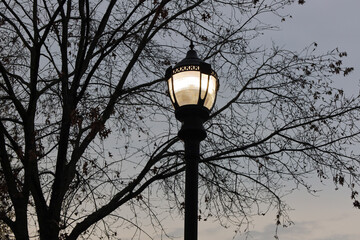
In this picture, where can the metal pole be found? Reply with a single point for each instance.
(192, 132)
(192, 155)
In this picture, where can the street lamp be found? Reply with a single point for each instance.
(192, 88)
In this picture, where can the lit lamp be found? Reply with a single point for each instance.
(192, 88)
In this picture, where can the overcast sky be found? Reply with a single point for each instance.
(330, 215)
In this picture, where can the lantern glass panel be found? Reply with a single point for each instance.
(171, 91)
(211, 95)
(204, 84)
(186, 87)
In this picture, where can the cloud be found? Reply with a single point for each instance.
(309, 230)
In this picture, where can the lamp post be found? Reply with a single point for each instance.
(192, 88)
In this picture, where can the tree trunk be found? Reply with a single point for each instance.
(49, 230)
(21, 224)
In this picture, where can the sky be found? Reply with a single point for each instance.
(329, 215)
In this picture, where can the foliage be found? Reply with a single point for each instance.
(88, 137)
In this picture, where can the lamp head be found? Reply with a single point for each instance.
(192, 82)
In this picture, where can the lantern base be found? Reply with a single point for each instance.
(192, 118)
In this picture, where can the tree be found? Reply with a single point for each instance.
(87, 129)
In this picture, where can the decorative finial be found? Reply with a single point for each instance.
(191, 45)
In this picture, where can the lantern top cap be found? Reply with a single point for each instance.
(191, 58)
(191, 45)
